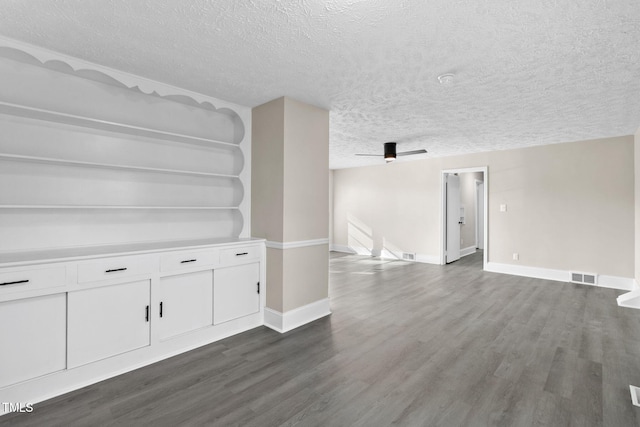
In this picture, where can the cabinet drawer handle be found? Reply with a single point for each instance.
(242, 253)
(115, 269)
(188, 260)
(161, 309)
(147, 315)
(14, 283)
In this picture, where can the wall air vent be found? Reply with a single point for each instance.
(408, 256)
(584, 278)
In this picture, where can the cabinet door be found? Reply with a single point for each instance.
(33, 338)
(235, 292)
(186, 303)
(107, 321)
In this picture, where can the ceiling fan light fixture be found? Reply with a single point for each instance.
(389, 151)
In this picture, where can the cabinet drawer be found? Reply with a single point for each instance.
(109, 268)
(184, 260)
(239, 254)
(26, 280)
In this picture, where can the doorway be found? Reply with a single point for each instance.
(464, 219)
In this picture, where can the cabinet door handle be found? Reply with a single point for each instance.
(160, 308)
(242, 253)
(258, 287)
(188, 260)
(147, 316)
(14, 283)
(115, 269)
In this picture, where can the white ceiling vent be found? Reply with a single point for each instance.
(584, 278)
(408, 256)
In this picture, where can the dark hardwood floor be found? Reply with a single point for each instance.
(407, 344)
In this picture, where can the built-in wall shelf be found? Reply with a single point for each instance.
(17, 157)
(88, 122)
(118, 207)
(88, 163)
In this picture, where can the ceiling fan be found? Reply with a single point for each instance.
(390, 152)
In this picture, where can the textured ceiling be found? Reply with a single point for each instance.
(525, 72)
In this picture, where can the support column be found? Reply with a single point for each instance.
(290, 208)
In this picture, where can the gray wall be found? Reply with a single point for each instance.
(570, 206)
(290, 199)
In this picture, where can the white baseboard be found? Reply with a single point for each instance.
(425, 259)
(341, 248)
(604, 281)
(522, 270)
(428, 259)
(359, 250)
(386, 254)
(467, 251)
(297, 244)
(615, 282)
(284, 322)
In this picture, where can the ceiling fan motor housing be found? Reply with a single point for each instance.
(389, 151)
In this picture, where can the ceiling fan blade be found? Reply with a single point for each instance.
(370, 155)
(408, 153)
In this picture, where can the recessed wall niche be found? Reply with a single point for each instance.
(87, 161)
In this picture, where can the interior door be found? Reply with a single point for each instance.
(452, 194)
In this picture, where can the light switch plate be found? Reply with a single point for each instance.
(503, 208)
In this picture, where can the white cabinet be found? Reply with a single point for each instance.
(236, 292)
(78, 316)
(107, 321)
(185, 303)
(33, 338)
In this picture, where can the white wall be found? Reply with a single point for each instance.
(570, 206)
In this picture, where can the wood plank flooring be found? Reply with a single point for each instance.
(407, 344)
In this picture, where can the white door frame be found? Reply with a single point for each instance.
(478, 183)
(443, 210)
